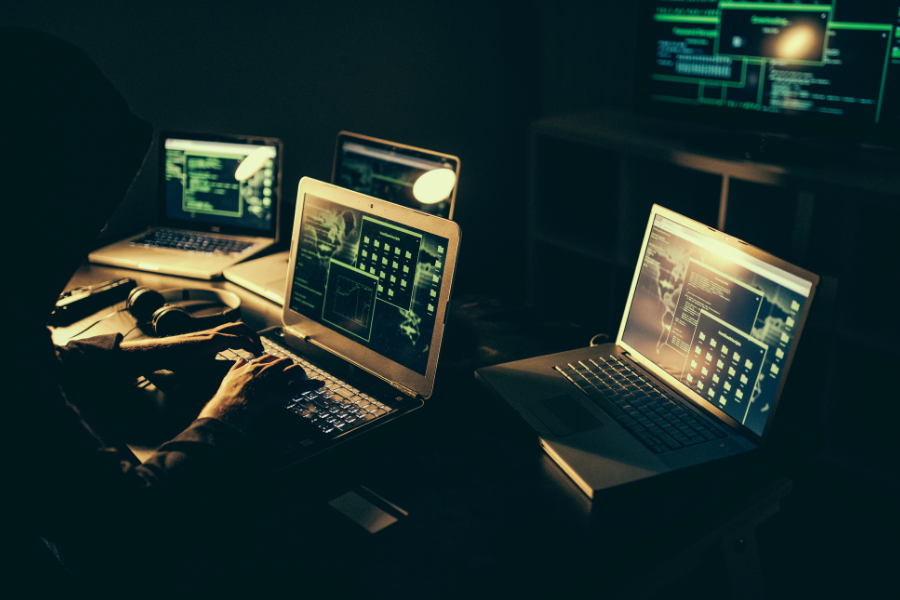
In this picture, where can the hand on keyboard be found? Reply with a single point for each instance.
(190, 351)
(337, 407)
(251, 387)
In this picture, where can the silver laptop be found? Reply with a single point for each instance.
(413, 177)
(219, 202)
(695, 374)
(369, 285)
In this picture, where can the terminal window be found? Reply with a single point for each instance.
(207, 187)
(350, 299)
(391, 254)
(201, 185)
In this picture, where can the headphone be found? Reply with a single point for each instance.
(152, 309)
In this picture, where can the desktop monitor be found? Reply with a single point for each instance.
(821, 68)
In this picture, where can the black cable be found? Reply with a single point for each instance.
(112, 314)
(600, 338)
(127, 333)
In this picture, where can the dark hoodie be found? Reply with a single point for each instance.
(70, 150)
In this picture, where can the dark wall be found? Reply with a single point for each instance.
(586, 54)
(461, 79)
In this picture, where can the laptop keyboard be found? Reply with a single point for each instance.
(335, 408)
(191, 242)
(644, 409)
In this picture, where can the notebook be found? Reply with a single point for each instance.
(695, 374)
(420, 179)
(219, 200)
(369, 285)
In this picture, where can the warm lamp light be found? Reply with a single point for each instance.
(253, 163)
(434, 186)
(796, 42)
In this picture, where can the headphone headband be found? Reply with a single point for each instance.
(153, 309)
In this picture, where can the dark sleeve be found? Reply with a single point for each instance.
(91, 502)
(201, 458)
(90, 374)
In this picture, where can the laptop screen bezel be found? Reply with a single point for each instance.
(754, 253)
(385, 145)
(339, 344)
(272, 232)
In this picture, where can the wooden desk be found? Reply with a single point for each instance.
(481, 510)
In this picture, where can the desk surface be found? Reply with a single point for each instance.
(484, 508)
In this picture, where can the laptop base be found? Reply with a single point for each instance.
(586, 441)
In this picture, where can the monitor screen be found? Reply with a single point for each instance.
(397, 174)
(206, 185)
(719, 320)
(821, 67)
(370, 279)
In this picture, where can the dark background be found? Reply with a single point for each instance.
(466, 78)
(463, 78)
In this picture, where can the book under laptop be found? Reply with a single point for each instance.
(219, 200)
(695, 374)
(368, 288)
(413, 177)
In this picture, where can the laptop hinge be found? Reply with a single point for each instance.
(406, 391)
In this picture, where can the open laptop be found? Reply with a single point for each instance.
(695, 374)
(219, 202)
(369, 285)
(405, 175)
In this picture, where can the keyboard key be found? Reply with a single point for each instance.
(192, 242)
(334, 408)
(669, 441)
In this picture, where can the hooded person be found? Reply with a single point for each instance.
(71, 149)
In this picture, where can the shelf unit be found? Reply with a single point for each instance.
(594, 177)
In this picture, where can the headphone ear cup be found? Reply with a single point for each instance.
(143, 302)
(172, 320)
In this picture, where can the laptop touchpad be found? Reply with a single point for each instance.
(564, 415)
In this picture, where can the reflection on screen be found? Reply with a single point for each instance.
(201, 186)
(392, 175)
(716, 319)
(370, 279)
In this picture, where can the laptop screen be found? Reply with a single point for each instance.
(226, 186)
(719, 320)
(395, 173)
(369, 279)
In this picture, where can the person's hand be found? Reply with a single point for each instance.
(187, 351)
(250, 387)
